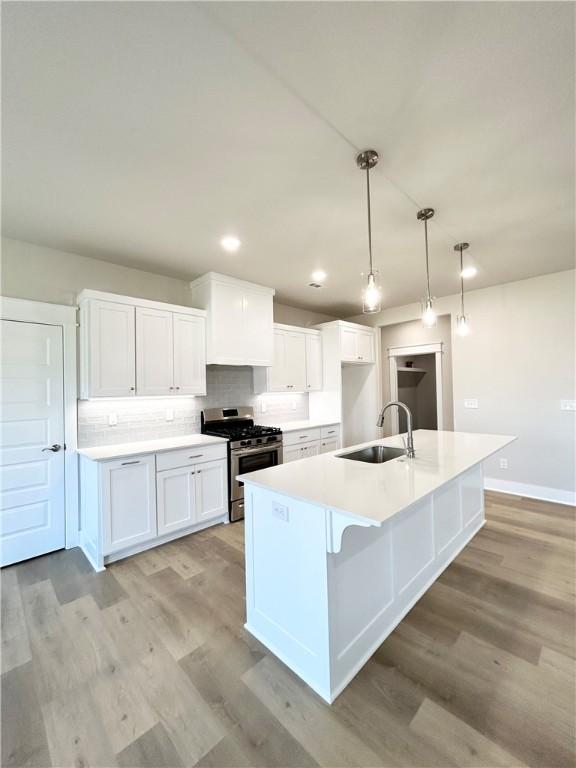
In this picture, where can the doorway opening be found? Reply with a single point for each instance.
(416, 380)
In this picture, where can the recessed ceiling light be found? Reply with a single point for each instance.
(318, 276)
(230, 243)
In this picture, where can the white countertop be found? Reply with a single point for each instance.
(103, 452)
(296, 426)
(376, 492)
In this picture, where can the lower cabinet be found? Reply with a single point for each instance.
(128, 502)
(190, 495)
(329, 444)
(294, 452)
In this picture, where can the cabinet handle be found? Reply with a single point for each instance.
(331, 431)
(132, 389)
(196, 456)
(176, 387)
(303, 437)
(199, 472)
(126, 463)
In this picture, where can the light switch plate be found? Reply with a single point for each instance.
(568, 405)
(262, 405)
(169, 414)
(471, 402)
(112, 419)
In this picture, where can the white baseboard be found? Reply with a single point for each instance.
(540, 492)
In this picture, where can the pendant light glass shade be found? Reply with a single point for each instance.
(468, 268)
(428, 313)
(462, 324)
(371, 294)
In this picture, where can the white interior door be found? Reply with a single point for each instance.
(32, 508)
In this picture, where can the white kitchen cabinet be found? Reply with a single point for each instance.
(137, 347)
(176, 499)
(239, 329)
(313, 362)
(128, 502)
(297, 364)
(154, 352)
(212, 490)
(191, 494)
(107, 349)
(329, 444)
(294, 452)
(189, 354)
(356, 343)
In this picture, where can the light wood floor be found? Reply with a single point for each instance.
(148, 664)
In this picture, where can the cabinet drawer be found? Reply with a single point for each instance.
(186, 456)
(331, 431)
(304, 436)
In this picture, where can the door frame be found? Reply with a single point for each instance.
(42, 313)
(417, 349)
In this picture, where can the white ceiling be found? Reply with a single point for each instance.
(140, 133)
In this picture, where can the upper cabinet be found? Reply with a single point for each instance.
(356, 343)
(107, 349)
(239, 329)
(134, 347)
(297, 363)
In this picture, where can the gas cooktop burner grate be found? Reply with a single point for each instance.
(240, 433)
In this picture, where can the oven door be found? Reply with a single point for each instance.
(243, 460)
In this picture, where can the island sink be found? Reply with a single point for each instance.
(374, 454)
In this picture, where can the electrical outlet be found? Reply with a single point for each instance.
(280, 511)
(112, 419)
(293, 403)
(262, 405)
(503, 463)
(568, 405)
(169, 414)
(471, 402)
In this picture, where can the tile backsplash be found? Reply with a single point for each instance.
(145, 418)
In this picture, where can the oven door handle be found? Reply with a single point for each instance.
(251, 451)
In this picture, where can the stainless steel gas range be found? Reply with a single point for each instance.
(250, 447)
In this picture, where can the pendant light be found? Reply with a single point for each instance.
(462, 325)
(371, 295)
(428, 313)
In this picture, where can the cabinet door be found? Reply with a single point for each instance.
(310, 449)
(226, 339)
(313, 362)
(176, 498)
(111, 351)
(129, 502)
(295, 361)
(258, 345)
(291, 453)
(348, 344)
(365, 347)
(277, 381)
(330, 444)
(212, 490)
(189, 355)
(154, 352)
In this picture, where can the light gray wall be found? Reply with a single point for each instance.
(34, 272)
(519, 362)
(43, 274)
(408, 334)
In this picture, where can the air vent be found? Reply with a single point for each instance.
(314, 285)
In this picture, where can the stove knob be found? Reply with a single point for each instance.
(259, 440)
(242, 442)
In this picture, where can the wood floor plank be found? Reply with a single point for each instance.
(466, 747)
(187, 718)
(153, 748)
(122, 707)
(308, 719)
(76, 734)
(23, 734)
(15, 648)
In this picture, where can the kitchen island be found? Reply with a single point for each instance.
(338, 551)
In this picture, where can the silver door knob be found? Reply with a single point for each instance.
(54, 448)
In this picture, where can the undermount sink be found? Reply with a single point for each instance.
(374, 454)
